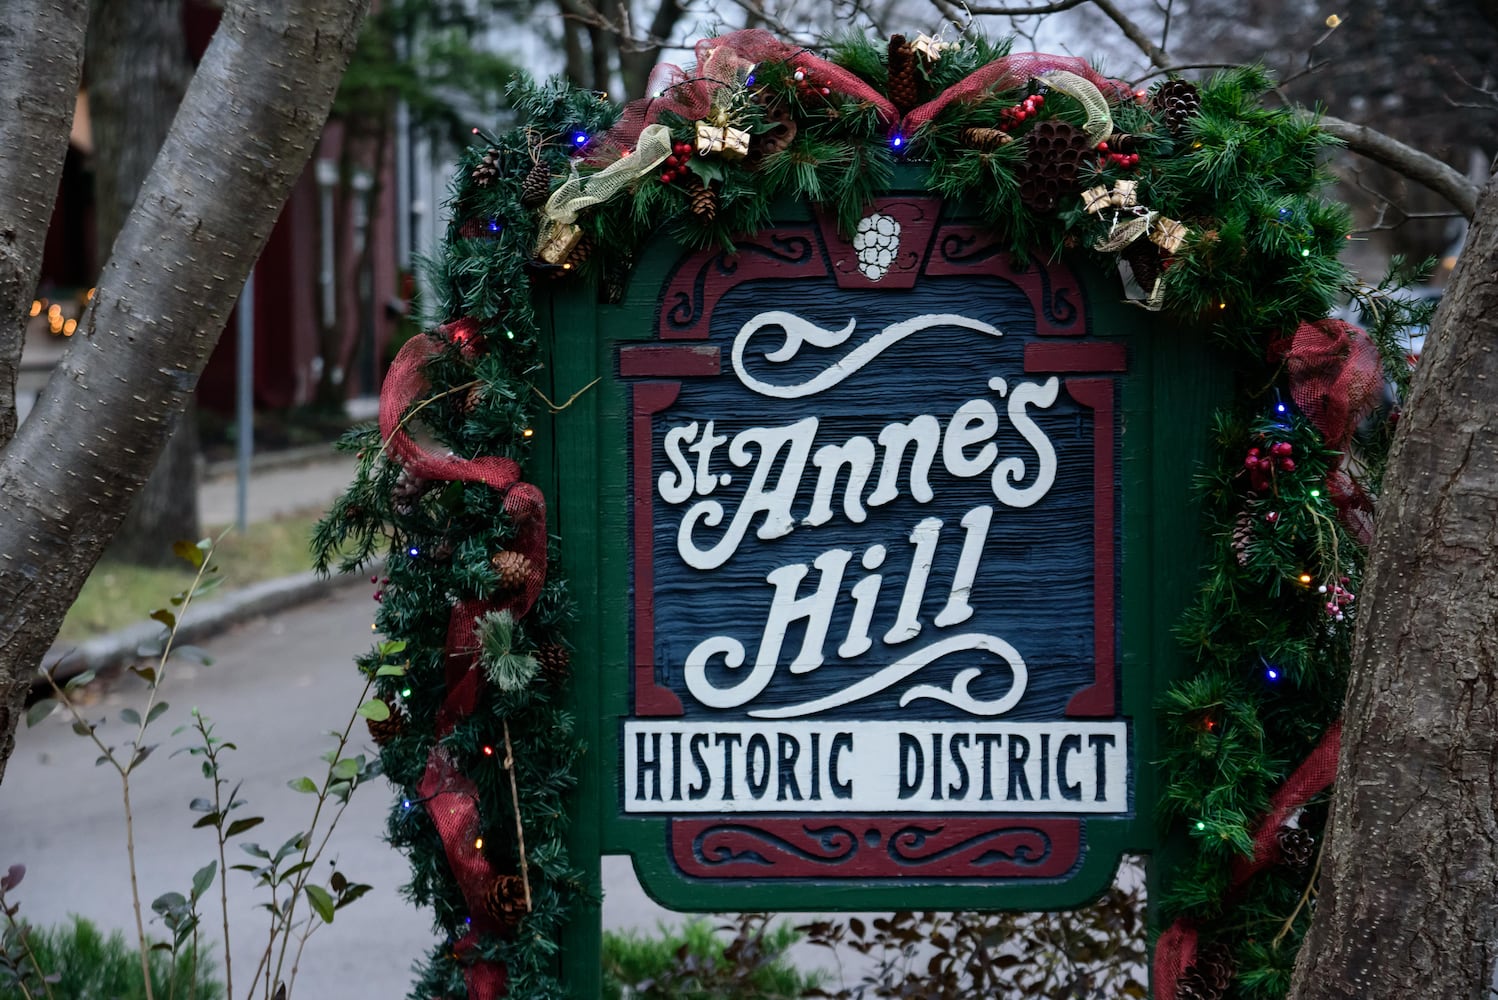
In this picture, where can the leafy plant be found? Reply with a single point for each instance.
(284, 874)
(695, 962)
(91, 965)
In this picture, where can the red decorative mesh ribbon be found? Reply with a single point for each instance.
(1175, 951)
(723, 60)
(452, 799)
(1335, 376)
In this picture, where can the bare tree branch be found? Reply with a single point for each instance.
(1045, 8)
(39, 78)
(1422, 168)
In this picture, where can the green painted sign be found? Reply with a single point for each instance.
(877, 544)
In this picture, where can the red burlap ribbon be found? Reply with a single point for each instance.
(451, 798)
(1335, 376)
(1175, 951)
(722, 60)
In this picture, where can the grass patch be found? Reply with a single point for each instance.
(742, 960)
(90, 965)
(119, 594)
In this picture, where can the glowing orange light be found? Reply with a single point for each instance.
(479, 844)
(528, 432)
(36, 307)
(1305, 578)
(69, 327)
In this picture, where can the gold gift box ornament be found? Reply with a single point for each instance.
(722, 140)
(558, 241)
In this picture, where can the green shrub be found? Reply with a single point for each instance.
(91, 966)
(743, 960)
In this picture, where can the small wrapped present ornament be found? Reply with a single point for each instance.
(722, 140)
(558, 241)
(1168, 234)
(930, 47)
(1125, 194)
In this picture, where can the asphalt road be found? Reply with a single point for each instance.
(276, 688)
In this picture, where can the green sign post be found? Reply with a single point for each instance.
(877, 556)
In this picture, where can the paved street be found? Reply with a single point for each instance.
(275, 689)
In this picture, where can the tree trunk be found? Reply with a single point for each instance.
(1407, 905)
(244, 132)
(138, 71)
(43, 43)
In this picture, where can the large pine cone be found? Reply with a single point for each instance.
(1297, 847)
(1243, 536)
(1053, 159)
(487, 169)
(556, 662)
(385, 730)
(1209, 976)
(704, 202)
(904, 86)
(1179, 102)
(536, 187)
(407, 492)
(986, 139)
(505, 901)
(512, 568)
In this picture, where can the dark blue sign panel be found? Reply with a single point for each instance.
(875, 560)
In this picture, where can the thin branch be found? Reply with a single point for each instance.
(1178, 67)
(1422, 168)
(1045, 8)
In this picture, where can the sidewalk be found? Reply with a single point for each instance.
(281, 484)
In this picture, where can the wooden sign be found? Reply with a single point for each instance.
(878, 543)
(874, 559)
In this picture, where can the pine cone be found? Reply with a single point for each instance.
(1243, 535)
(1122, 142)
(580, 253)
(443, 550)
(1209, 976)
(556, 662)
(1179, 101)
(536, 187)
(986, 139)
(385, 730)
(505, 901)
(407, 492)
(487, 170)
(1053, 159)
(904, 86)
(704, 202)
(472, 398)
(1297, 847)
(512, 568)
(1145, 261)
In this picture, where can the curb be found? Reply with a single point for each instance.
(205, 620)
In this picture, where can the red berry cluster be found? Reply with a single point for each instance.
(808, 85)
(676, 163)
(379, 595)
(1125, 160)
(1261, 464)
(1028, 108)
(1338, 597)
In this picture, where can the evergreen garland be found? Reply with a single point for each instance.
(1260, 256)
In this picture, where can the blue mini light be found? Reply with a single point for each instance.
(897, 141)
(1285, 213)
(405, 803)
(580, 139)
(413, 552)
(1272, 673)
(495, 226)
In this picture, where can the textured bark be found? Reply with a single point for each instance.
(1407, 907)
(137, 72)
(246, 127)
(43, 45)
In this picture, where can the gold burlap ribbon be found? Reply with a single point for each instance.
(578, 193)
(1099, 122)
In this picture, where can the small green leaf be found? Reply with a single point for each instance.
(82, 728)
(147, 674)
(321, 902)
(338, 882)
(43, 708)
(77, 682)
(188, 552)
(155, 712)
(241, 825)
(196, 654)
(390, 647)
(345, 769)
(293, 871)
(375, 710)
(212, 819)
(200, 806)
(302, 784)
(129, 716)
(203, 878)
(392, 670)
(165, 617)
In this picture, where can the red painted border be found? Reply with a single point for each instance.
(1053, 290)
(699, 281)
(1064, 357)
(877, 847)
(1097, 700)
(642, 360)
(650, 698)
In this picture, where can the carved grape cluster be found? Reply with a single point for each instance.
(877, 242)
